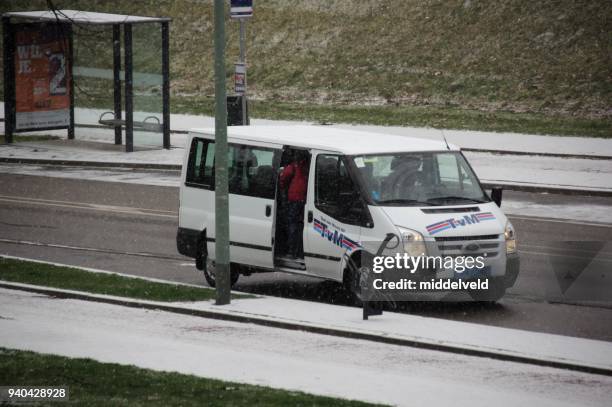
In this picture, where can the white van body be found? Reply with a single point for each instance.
(449, 226)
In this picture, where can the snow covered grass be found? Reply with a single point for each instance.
(109, 284)
(460, 64)
(100, 384)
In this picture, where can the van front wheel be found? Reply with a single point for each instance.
(209, 274)
(352, 282)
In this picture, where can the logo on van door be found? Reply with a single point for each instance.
(339, 239)
(454, 223)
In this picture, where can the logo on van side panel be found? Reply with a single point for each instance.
(455, 223)
(339, 239)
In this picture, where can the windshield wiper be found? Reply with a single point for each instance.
(455, 198)
(404, 201)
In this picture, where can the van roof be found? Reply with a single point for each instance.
(345, 141)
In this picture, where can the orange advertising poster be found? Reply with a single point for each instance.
(42, 76)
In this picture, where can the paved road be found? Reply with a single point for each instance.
(131, 228)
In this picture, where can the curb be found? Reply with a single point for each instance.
(276, 323)
(539, 154)
(547, 189)
(99, 164)
(175, 167)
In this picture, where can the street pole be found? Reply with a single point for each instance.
(222, 270)
(243, 60)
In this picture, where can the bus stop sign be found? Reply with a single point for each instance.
(241, 8)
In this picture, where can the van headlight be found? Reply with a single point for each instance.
(510, 237)
(413, 242)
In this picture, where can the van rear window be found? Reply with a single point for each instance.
(251, 169)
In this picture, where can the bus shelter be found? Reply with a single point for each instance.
(39, 85)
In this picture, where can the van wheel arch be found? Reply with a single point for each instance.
(350, 278)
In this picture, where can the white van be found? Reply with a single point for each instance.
(361, 188)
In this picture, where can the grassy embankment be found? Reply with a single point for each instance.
(519, 66)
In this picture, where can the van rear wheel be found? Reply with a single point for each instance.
(209, 274)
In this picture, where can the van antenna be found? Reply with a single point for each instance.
(444, 137)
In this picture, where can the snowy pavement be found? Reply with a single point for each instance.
(484, 140)
(571, 173)
(402, 328)
(566, 173)
(296, 360)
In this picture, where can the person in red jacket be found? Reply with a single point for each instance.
(294, 178)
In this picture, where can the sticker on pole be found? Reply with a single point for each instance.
(241, 8)
(240, 78)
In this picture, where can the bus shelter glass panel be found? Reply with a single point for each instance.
(93, 82)
(147, 85)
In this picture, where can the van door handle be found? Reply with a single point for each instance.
(268, 210)
(310, 216)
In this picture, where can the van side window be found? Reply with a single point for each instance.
(200, 169)
(251, 171)
(335, 193)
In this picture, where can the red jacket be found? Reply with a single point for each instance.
(295, 175)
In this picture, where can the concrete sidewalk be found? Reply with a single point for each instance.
(466, 139)
(530, 172)
(286, 359)
(535, 348)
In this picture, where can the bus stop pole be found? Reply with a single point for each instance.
(222, 268)
(243, 60)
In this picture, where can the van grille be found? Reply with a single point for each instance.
(457, 246)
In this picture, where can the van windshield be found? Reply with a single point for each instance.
(419, 179)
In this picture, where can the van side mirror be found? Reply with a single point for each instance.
(496, 195)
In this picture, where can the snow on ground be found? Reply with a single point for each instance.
(543, 171)
(463, 138)
(287, 359)
(570, 173)
(463, 335)
(585, 212)
(92, 151)
(527, 170)
(125, 175)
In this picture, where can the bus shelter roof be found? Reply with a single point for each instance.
(84, 17)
